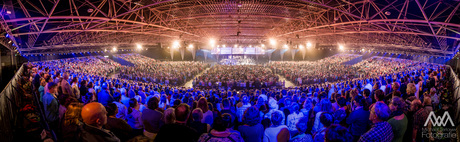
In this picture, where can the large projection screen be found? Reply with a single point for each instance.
(240, 50)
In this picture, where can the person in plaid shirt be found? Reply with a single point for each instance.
(420, 117)
(381, 130)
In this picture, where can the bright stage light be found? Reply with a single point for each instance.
(300, 46)
(176, 44)
(309, 44)
(114, 49)
(250, 46)
(236, 45)
(139, 46)
(262, 45)
(362, 50)
(285, 46)
(190, 46)
(272, 41)
(212, 41)
(341, 47)
(223, 45)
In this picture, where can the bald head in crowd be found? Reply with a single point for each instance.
(94, 114)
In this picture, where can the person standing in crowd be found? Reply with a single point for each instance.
(134, 117)
(169, 132)
(240, 110)
(307, 106)
(395, 90)
(83, 90)
(41, 89)
(66, 89)
(152, 118)
(104, 96)
(381, 130)
(434, 97)
(301, 135)
(170, 117)
(226, 108)
(379, 96)
(220, 132)
(118, 126)
(338, 133)
(399, 121)
(71, 122)
(125, 99)
(94, 117)
(278, 131)
(358, 120)
(366, 95)
(340, 114)
(201, 128)
(325, 106)
(122, 109)
(420, 117)
(427, 104)
(326, 120)
(75, 89)
(293, 118)
(51, 106)
(252, 130)
(91, 96)
(207, 114)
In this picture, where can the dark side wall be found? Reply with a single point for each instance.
(7, 67)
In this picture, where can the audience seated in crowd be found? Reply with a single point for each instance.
(370, 106)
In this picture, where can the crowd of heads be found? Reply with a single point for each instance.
(351, 109)
(328, 69)
(150, 70)
(239, 77)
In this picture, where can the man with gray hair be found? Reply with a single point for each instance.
(381, 130)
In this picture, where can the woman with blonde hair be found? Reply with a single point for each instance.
(410, 91)
(41, 89)
(71, 121)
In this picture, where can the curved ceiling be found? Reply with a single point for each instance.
(413, 25)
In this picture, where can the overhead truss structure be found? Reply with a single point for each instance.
(52, 25)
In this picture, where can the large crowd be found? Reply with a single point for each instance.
(97, 65)
(376, 66)
(168, 73)
(307, 72)
(229, 77)
(389, 107)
